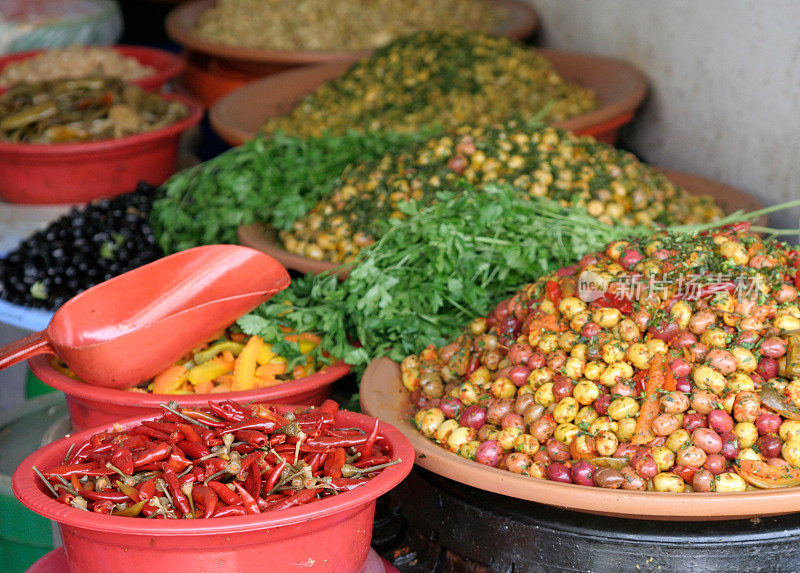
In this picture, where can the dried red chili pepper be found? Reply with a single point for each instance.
(299, 498)
(179, 498)
(225, 493)
(189, 432)
(366, 449)
(205, 497)
(157, 453)
(112, 496)
(347, 484)
(249, 502)
(273, 478)
(122, 459)
(230, 511)
(225, 412)
(252, 437)
(333, 465)
(92, 469)
(193, 449)
(103, 507)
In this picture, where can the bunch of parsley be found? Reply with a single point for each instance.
(429, 275)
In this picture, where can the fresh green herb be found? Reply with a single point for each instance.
(430, 274)
(273, 180)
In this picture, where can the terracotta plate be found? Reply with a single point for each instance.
(180, 24)
(620, 88)
(383, 396)
(263, 238)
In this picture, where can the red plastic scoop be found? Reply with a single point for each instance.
(128, 329)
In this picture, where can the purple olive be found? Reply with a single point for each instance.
(768, 423)
(693, 421)
(769, 446)
(451, 406)
(720, 421)
(582, 473)
(715, 463)
(683, 384)
(489, 453)
(601, 404)
(519, 375)
(767, 368)
(557, 471)
(473, 416)
(730, 445)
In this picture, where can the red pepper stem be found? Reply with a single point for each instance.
(47, 483)
(185, 417)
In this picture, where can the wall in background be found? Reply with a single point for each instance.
(724, 78)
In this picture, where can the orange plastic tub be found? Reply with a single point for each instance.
(79, 172)
(330, 535)
(91, 406)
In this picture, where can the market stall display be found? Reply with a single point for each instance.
(513, 18)
(612, 185)
(284, 537)
(149, 68)
(691, 359)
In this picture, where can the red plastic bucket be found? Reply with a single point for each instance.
(91, 406)
(79, 172)
(165, 64)
(332, 534)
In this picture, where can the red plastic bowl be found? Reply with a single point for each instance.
(91, 406)
(166, 64)
(332, 534)
(80, 172)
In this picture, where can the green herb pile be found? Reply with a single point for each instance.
(432, 273)
(273, 180)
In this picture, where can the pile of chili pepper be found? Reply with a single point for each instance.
(223, 461)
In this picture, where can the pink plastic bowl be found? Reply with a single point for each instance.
(80, 172)
(91, 406)
(166, 64)
(328, 535)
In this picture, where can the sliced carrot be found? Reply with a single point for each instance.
(650, 407)
(204, 387)
(270, 370)
(670, 384)
(244, 370)
(227, 355)
(225, 379)
(224, 387)
(170, 380)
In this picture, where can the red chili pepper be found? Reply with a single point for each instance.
(299, 498)
(553, 292)
(137, 442)
(797, 280)
(277, 440)
(213, 465)
(225, 412)
(112, 496)
(347, 484)
(244, 449)
(230, 511)
(331, 442)
(92, 469)
(329, 408)
(178, 497)
(193, 449)
(103, 507)
(147, 490)
(366, 449)
(165, 427)
(190, 433)
(316, 462)
(157, 453)
(248, 461)
(273, 478)
(108, 448)
(206, 498)
(66, 498)
(253, 481)
(79, 455)
(373, 461)
(249, 502)
(150, 432)
(252, 437)
(88, 486)
(177, 460)
(267, 413)
(202, 417)
(259, 424)
(225, 493)
(76, 485)
(333, 465)
(122, 459)
(343, 432)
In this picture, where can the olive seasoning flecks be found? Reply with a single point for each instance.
(81, 249)
(542, 161)
(438, 78)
